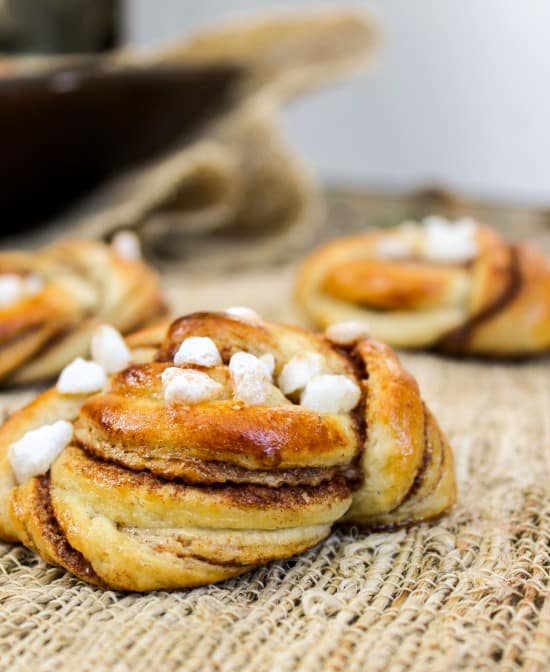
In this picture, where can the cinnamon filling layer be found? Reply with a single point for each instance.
(457, 339)
(211, 472)
(64, 553)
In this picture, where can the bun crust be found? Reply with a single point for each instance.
(151, 494)
(84, 284)
(497, 304)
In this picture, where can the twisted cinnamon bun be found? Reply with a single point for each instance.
(233, 442)
(52, 299)
(457, 287)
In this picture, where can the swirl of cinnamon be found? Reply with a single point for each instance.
(495, 303)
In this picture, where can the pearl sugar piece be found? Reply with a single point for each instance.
(200, 350)
(81, 376)
(347, 333)
(251, 378)
(187, 385)
(299, 370)
(108, 349)
(244, 314)
(36, 450)
(331, 394)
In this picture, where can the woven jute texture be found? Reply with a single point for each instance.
(469, 592)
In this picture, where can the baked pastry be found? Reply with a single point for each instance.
(52, 299)
(458, 287)
(193, 466)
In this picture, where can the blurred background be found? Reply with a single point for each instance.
(213, 133)
(459, 95)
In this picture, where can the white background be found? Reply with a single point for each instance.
(461, 96)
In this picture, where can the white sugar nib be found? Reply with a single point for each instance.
(189, 386)
(449, 242)
(34, 453)
(331, 394)
(244, 314)
(12, 289)
(347, 333)
(299, 370)
(127, 245)
(109, 349)
(269, 362)
(199, 350)
(81, 376)
(251, 378)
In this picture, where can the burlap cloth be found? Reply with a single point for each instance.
(470, 592)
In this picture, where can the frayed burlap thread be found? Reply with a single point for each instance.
(470, 592)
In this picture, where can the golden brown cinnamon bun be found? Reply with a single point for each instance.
(52, 299)
(458, 287)
(234, 442)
